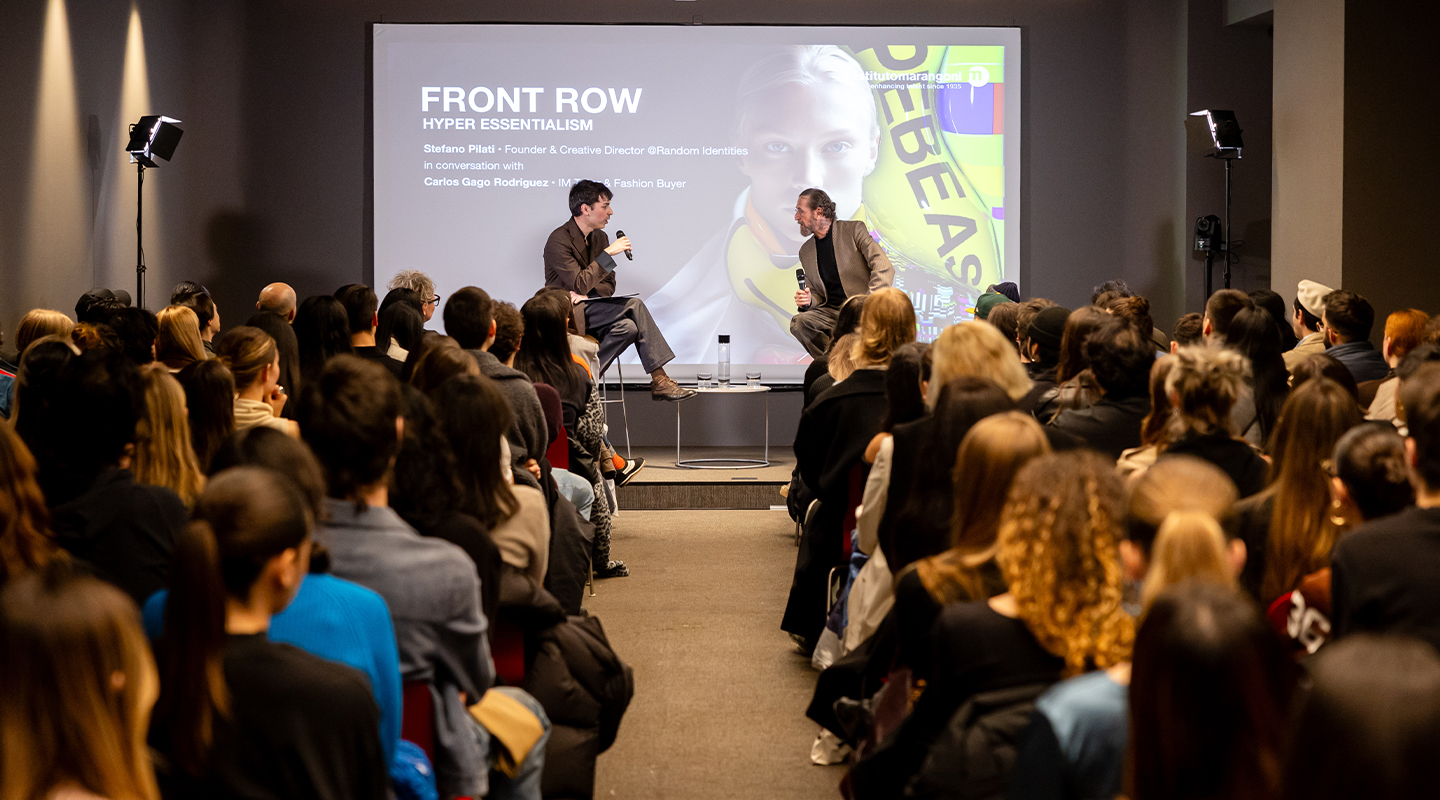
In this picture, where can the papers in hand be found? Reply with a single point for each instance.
(614, 297)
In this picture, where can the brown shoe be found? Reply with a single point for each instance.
(663, 387)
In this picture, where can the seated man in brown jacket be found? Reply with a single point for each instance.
(841, 260)
(580, 259)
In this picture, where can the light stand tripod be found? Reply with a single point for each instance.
(139, 235)
(153, 135)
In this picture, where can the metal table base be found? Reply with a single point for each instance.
(725, 463)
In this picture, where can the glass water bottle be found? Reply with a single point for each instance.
(722, 370)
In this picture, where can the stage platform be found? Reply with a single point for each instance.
(663, 486)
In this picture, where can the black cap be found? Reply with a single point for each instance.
(1048, 327)
(90, 298)
(724, 338)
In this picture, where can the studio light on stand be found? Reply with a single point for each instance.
(1216, 134)
(151, 136)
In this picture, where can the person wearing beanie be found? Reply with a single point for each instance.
(1309, 310)
(1043, 350)
(1009, 289)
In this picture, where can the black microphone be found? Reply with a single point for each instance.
(621, 235)
(800, 277)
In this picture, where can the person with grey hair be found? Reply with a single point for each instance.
(805, 116)
(841, 259)
(421, 284)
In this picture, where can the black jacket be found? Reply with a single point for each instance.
(1111, 426)
(122, 530)
(1238, 459)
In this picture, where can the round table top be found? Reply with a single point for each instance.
(734, 388)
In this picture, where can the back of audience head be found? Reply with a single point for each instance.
(38, 323)
(210, 398)
(1190, 546)
(1275, 304)
(87, 422)
(322, 332)
(1045, 335)
(96, 304)
(544, 353)
(847, 320)
(990, 456)
(77, 685)
(1187, 491)
(1006, 319)
(94, 336)
(1117, 288)
(1152, 428)
(34, 381)
(978, 350)
(400, 325)
(510, 327)
(185, 289)
(248, 544)
(1220, 311)
(164, 455)
(1120, 356)
(1208, 696)
(199, 301)
(1203, 384)
(350, 415)
(1057, 552)
(1135, 310)
(1367, 722)
(419, 283)
(287, 347)
(475, 416)
(136, 329)
(886, 323)
(250, 355)
(904, 400)
(278, 299)
(1420, 394)
(1024, 315)
(1301, 533)
(1254, 334)
(1348, 317)
(286, 455)
(1078, 327)
(470, 318)
(1368, 478)
(440, 360)
(1189, 330)
(25, 539)
(178, 339)
(361, 307)
(1404, 330)
(423, 487)
(1324, 365)
(841, 363)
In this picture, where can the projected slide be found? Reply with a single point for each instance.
(705, 135)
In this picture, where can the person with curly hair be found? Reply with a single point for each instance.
(1057, 551)
(1203, 385)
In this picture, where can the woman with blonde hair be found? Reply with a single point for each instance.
(254, 361)
(77, 684)
(1061, 616)
(1203, 385)
(178, 344)
(164, 455)
(988, 459)
(25, 538)
(37, 323)
(980, 350)
(886, 323)
(1075, 746)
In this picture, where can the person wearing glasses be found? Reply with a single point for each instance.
(421, 284)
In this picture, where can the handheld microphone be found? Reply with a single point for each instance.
(628, 256)
(800, 277)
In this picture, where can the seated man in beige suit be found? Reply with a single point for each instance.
(841, 260)
(1306, 321)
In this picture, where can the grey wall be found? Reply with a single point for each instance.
(269, 181)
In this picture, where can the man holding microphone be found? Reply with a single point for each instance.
(840, 260)
(580, 259)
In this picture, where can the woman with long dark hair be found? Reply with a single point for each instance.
(475, 416)
(238, 712)
(1255, 335)
(322, 330)
(1208, 697)
(400, 323)
(210, 398)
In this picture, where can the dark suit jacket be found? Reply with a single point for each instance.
(863, 266)
(580, 265)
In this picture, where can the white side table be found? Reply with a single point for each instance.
(725, 463)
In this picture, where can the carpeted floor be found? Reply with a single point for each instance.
(720, 692)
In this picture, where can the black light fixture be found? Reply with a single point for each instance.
(1215, 133)
(153, 135)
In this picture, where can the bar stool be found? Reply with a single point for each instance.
(606, 400)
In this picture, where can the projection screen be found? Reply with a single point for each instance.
(705, 136)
